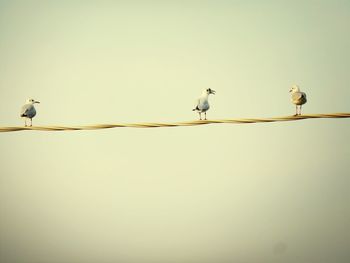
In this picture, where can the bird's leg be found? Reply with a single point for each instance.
(205, 114)
(25, 122)
(300, 109)
(296, 110)
(200, 115)
(31, 122)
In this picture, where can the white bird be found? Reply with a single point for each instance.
(203, 103)
(28, 111)
(298, 98)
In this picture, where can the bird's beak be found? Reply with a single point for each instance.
(36, 101)
(212, 92)
(290, 90)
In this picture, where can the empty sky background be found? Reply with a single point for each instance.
(274, 192)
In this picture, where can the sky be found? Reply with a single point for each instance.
(273, 192)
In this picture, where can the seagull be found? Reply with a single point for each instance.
(298, 98)
(203, 104)
(28, 111)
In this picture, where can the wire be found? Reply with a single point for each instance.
(174, 124)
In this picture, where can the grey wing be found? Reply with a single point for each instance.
(197, 104)
(203, 105)
(28, 111)
(24, 110)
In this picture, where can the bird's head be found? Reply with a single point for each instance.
(294, 88)
(210, 91)
(31, 101)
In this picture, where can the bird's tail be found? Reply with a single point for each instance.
(196, 108)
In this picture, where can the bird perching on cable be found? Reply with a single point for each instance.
(298, 98)
(28, 111)
(203, 103)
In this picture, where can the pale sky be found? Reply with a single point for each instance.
(275, 192)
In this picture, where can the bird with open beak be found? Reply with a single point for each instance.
(28, 111)
(203, 103)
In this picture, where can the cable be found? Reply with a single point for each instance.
(174, 124)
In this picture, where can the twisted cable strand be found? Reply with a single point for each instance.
(175, 124)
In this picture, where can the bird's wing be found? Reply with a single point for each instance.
(303, 95)
(297, 96)
(196, 104)
(25, 109)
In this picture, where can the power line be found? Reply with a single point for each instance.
(173, 124)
